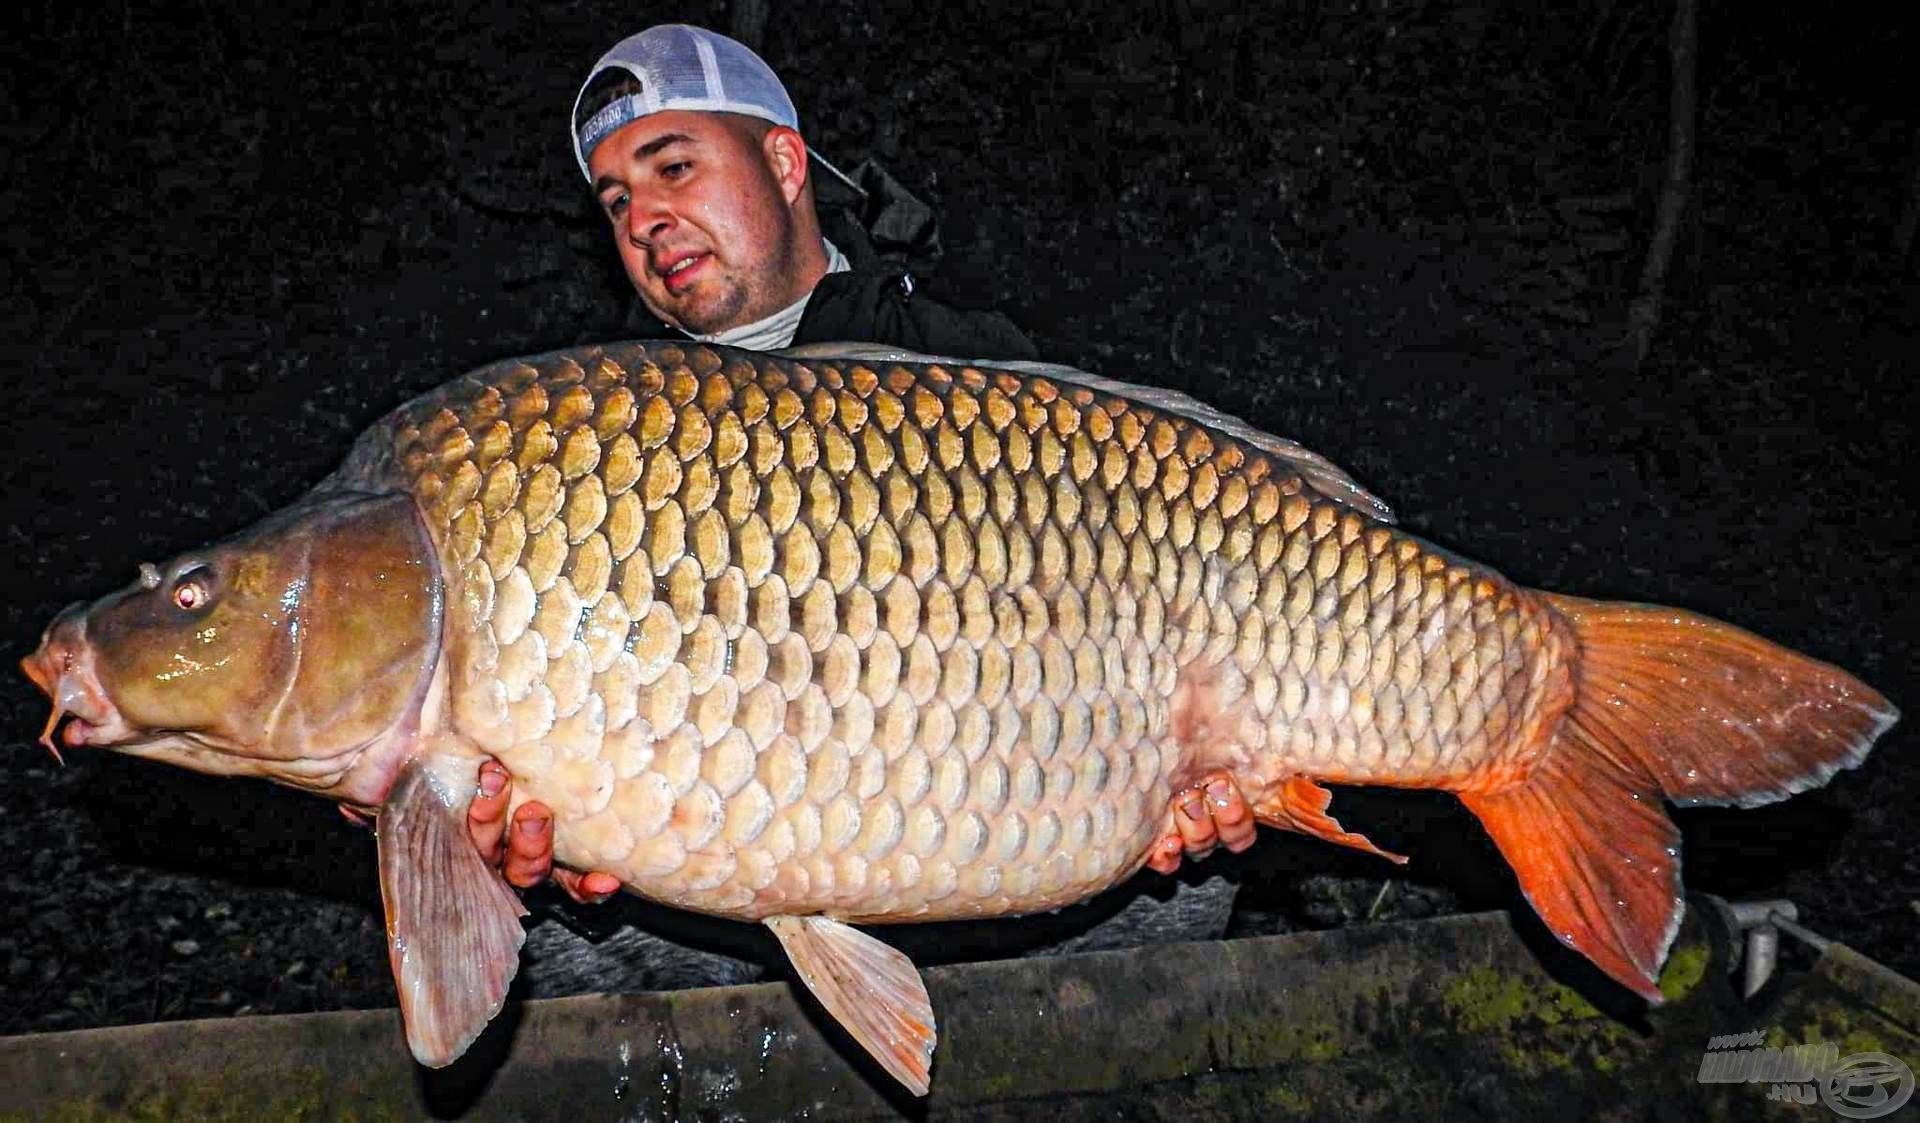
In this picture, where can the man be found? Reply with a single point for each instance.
(693, 152)
(692, 148)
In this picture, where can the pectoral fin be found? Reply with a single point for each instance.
(453, 926)
(869, 988)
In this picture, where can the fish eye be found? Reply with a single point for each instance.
(191, 590)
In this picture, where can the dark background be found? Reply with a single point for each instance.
(1402, 233)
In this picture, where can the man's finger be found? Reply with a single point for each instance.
(1232, 818)
(587, 888)
(1193, 817)
(1165, 857)
(529, 846)
(487, 815)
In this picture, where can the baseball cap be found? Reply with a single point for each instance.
(679, 66)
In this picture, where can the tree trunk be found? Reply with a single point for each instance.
(1643, 318)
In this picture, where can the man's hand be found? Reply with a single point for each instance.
(523, 848)
(1210, 813)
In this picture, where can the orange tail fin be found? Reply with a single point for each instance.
(1667, 704)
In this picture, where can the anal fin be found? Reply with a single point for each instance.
(1299, 804)
(871, 989)
(453, 926)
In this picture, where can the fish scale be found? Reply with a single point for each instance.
(891, 643)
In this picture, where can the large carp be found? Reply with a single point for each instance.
(826, 640)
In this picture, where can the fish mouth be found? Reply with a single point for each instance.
(63, 670)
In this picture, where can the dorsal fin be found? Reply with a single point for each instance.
(1326, 477)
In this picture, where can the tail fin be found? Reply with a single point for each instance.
(1667, 704)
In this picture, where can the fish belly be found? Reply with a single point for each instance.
(914, 642)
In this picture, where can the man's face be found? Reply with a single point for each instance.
(702, 207)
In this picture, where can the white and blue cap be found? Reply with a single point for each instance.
(681, 67)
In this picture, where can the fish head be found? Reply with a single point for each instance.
(285, 651)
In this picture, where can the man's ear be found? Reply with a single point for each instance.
(786, 156)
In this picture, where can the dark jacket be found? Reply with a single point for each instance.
(879, 304)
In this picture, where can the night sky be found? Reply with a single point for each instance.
(1403, 234)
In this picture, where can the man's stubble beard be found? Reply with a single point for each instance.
(737, 306)
(718, 319)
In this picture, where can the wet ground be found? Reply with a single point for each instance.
(1404, 236)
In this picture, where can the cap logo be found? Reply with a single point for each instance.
(615, 115)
